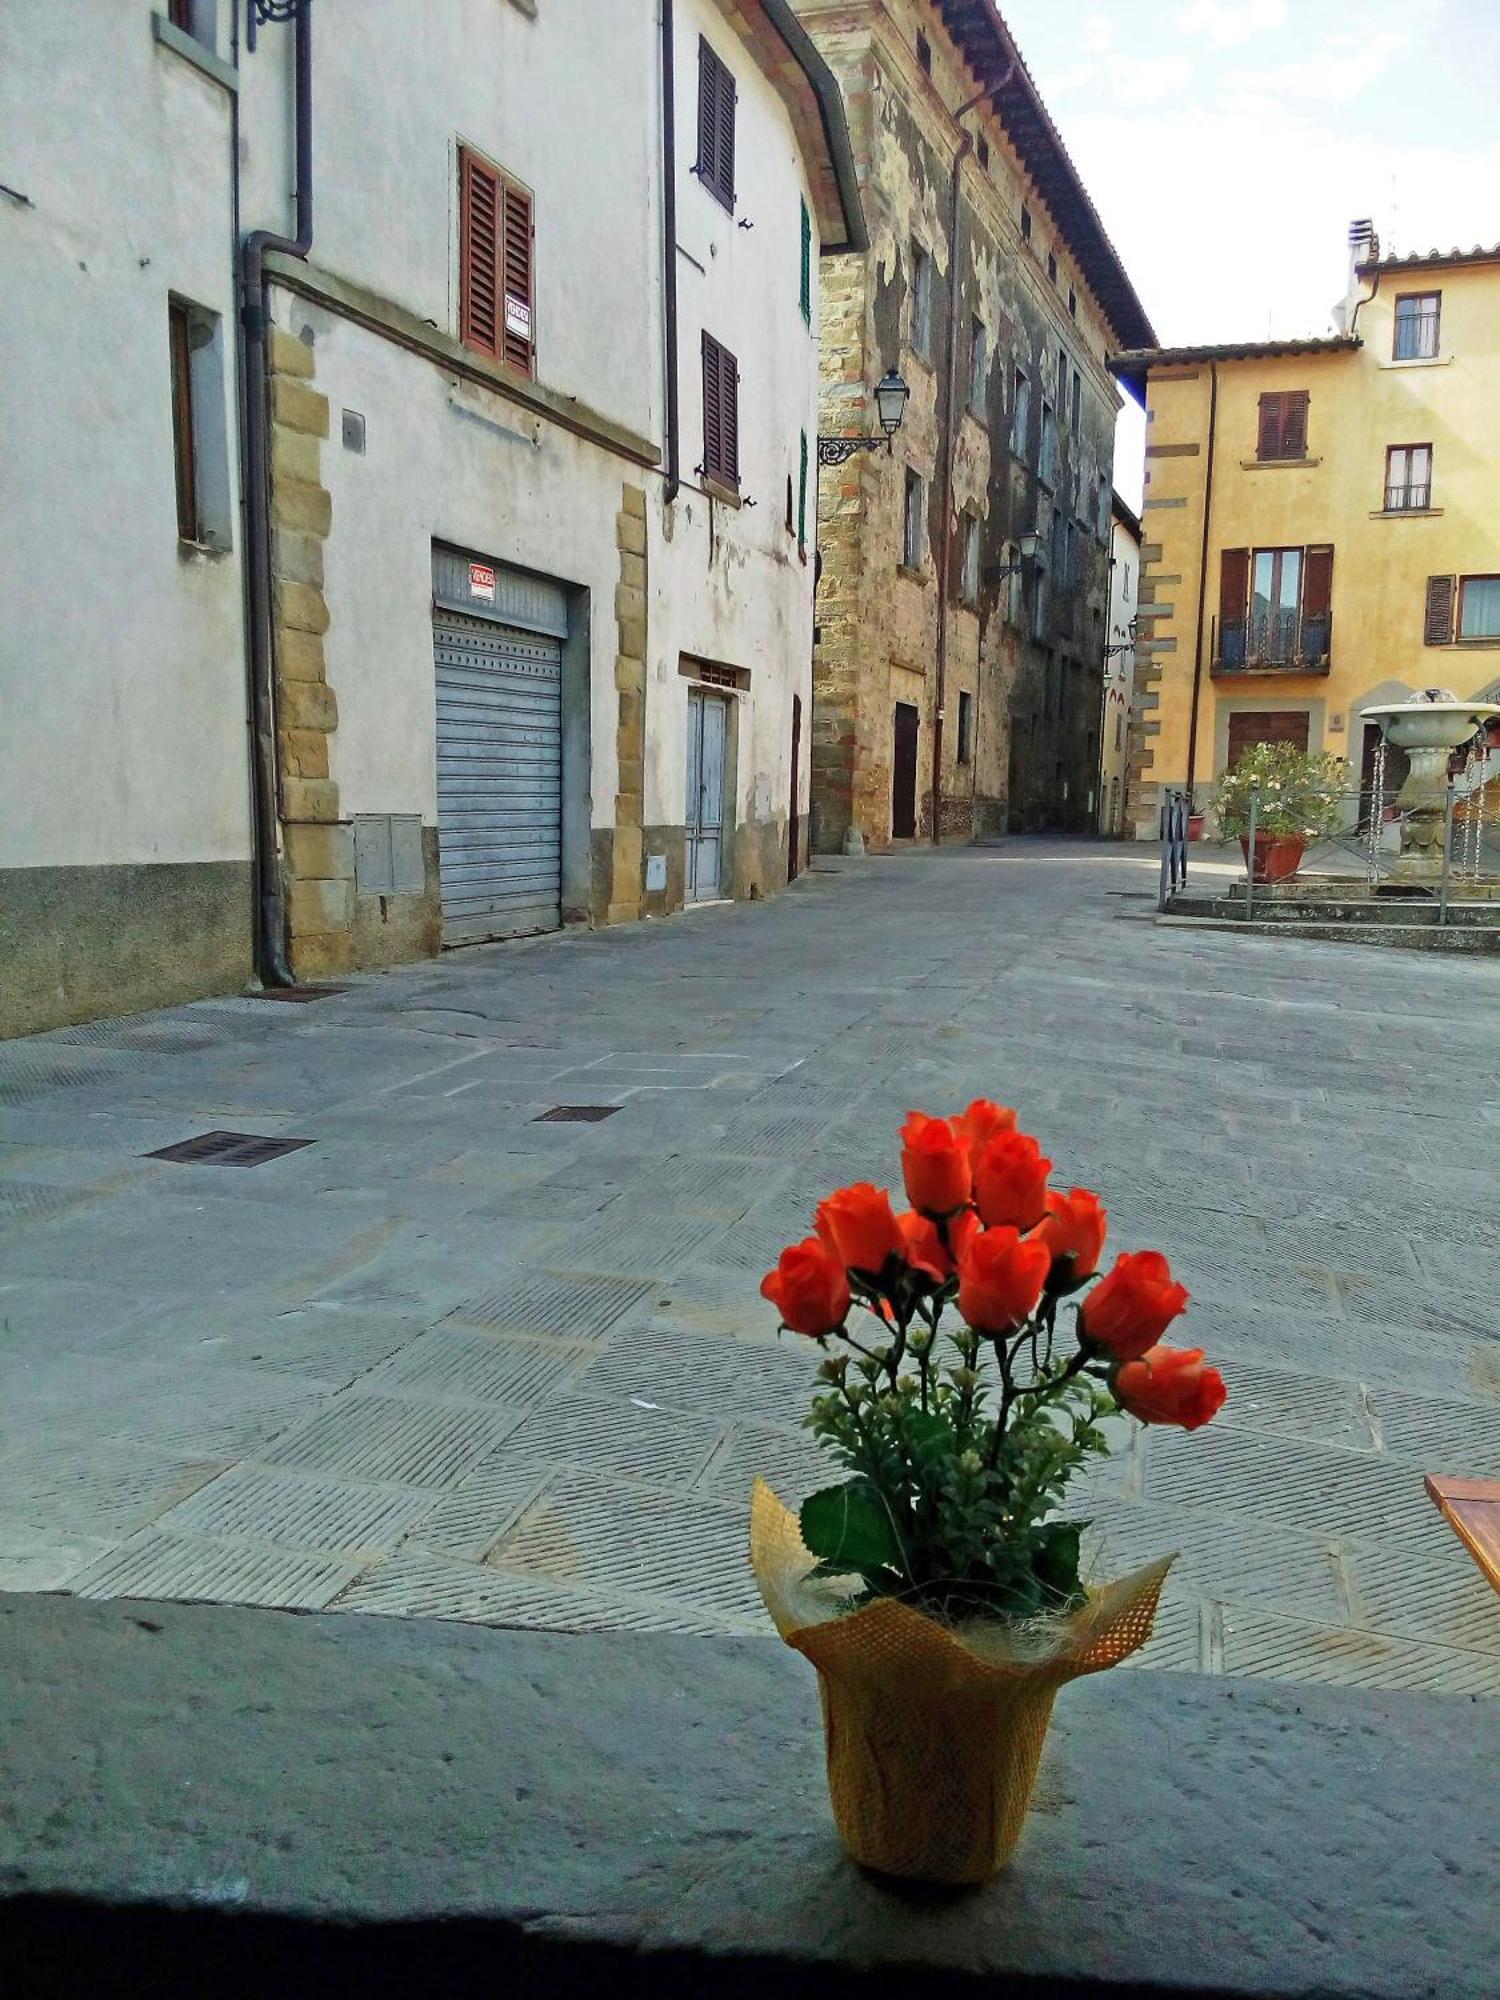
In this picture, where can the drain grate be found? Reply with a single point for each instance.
(228, 1149)
(576, 1114)
(296, 994)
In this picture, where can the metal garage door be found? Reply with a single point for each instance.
(499, 777)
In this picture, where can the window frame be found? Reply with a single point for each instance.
(1274, 411)
(913, 523)
(921, 301)
(1020, 413)
(963, 742)
(1046, 458)
(1397, 498)
(184, 430)
(715, 165)
(1460, 635)
(979, 364)
(721, 457)
(514, 212)
(1420, 320)
(968, 571)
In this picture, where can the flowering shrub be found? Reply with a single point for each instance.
(960, 1439)
(1300, 793)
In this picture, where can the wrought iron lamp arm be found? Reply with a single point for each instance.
(834, 450)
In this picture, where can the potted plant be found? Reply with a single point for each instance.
(937, 1588)
(1299, 797)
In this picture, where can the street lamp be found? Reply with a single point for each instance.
(890, 404)
(1030, 545)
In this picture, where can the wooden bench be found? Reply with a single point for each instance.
(1471, 1508)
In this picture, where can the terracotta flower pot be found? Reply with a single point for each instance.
(934, 1734)
(1277, 855)
(1196, 822)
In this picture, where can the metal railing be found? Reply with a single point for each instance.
(1274, 639)
(1174, 847)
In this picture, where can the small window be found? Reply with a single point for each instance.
(195, 18)
(1479, 607)
(913, 530)
(982, 153)
(805, 291)
(921, 302)
(1025, 223)
(1072, 303)
(1417, 316)
(1052, 267)
(495, 263)
(200, 440)
(969, 579)
(924, 54)
(964, 752)
(791, 519)
(802, 500)
(1282, 430)
(1010, 560)
(1077, 401)
(1039, 601)
(978, 365)
(1047, 460)
(721, 414)
(183, 457)
(1408, 478)
(715, 166)
(1020, 416)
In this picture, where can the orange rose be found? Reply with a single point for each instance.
(859, 1227)
(924, 1247)
(1000, 1278)
(934, 1163)
(1073, 1228)
(808, 1288)
(1010, 1182)
(1170, 1385)
(982, 1122)
(1131, 1309)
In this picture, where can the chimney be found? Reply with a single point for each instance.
(1364, 248)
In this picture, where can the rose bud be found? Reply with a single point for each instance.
(809, 1289)
(1073, 1230)
(859, 1226)
(1010, 1182)
(934, 1164)
(982, 1122)
(1131, 1309)
(1000, 1279)
(1170, 1385)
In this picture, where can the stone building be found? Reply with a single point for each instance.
(472, 439)
(1119, 668)
(956, 685)
(1321, 529)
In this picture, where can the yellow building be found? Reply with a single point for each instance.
(1321, 524)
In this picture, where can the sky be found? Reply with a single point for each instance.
(1228, 144)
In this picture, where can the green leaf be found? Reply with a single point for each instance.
(1055, 1558)
(850, 1524)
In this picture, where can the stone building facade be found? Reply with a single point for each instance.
(953, 689)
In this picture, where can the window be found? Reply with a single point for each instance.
(1047, 459)
(721, 414)
(495, 259)
(1283, 425)
(924, 54)
(1417, 316)
(921, 302)
(913, 537)
(802, 501)
(1052, 267)
(965, 750)
(200, 440)
(969, 579)
(805, 292)
(982, 152)
(1072, 303)
(1010, 560)
(1060, 549)
(195, 18)
(1479, 607)
(1274, 607)
(1039, 601)
(1408, 478)
(1077, 413)
(1025, 223)
(715, 166)
(1020, 417)
(978, 365)
(791, 519)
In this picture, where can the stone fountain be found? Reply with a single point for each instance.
(1429, 728)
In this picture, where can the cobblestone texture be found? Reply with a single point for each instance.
(450, 1361)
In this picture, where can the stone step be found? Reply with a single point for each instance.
(1416, 937)
(1384, 911)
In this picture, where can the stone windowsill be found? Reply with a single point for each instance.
(1278, 464)
(1405, 513)
(202, 58)
(727, 496)
(912, 574)
(190, 551)
(1420, 361)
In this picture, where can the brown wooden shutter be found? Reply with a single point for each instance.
(713, 430)
(721, 415)
(1234, 582)
(479, 256)
(715, 124)
(519, 326)
(1437, 623)
(1294, 424)
(1268, 443)
(1317, 582)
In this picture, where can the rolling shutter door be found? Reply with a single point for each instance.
(499, 777)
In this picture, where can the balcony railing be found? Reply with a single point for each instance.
(1407, 499)
(1275, 642)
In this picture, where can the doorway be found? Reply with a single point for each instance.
(793, 852)
(904, 774)
(707, 744)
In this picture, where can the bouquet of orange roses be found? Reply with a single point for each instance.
(935, 1589)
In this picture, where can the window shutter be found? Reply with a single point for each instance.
(802, 500)
(715, 125)
(713, 433)
(1294, 424)
(1317, 582)
(725, 161)
(1437, 623)
(1268, 444)
(479, 255)
(519, 332)
(721, 417)
(1234, 582)
(729, 415)
(805, 295)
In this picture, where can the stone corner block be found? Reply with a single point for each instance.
(301, 607)
(296, 504)
(633, 500)
(320, 851)
(320, 904)
(310, 799)
(298, 407)
(289, 355)
(321, 952)
(630, 533)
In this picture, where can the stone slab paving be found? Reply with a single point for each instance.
(459, 1360)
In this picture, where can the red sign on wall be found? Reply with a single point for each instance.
(482, 582)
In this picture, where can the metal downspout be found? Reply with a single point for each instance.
(945, 445)
(669, 247)
(1208, 503)
(270, 937)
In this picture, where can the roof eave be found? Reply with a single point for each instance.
(830, 102)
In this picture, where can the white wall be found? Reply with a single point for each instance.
(1119, 676)
(122, 673)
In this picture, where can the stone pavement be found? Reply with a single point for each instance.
(454, 1359)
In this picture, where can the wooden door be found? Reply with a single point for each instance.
(1277, 725)
(904, 774)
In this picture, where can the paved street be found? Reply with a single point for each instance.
(456, 1359)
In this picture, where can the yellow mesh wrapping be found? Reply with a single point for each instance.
(935, 1733)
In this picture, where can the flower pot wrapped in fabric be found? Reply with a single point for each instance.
(937, 1589)
(934, 1734)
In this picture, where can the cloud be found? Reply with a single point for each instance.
(1341, 71)
(1098, 35)
(1227, 23)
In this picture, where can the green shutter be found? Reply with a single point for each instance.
(802, 501)
(806, 294)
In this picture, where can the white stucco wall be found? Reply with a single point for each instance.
(1119, 675)
(122, 675)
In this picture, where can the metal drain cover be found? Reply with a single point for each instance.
(228, 1149)
(576, 1114)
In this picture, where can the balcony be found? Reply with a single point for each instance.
(1274, 642)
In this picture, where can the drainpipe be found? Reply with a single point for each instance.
(669, 233)
(270, 937)
(945, 442)
(1208, 502)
